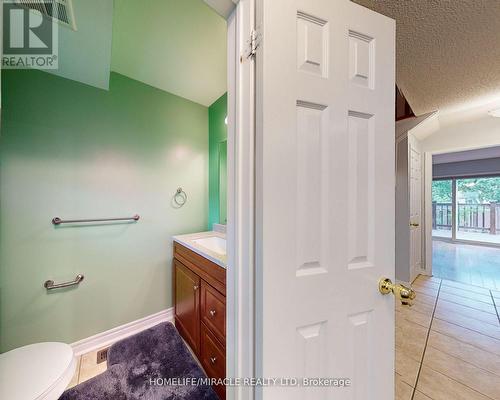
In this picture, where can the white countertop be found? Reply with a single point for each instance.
(189, 242)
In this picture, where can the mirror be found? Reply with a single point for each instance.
(217, 162)
(223, 182)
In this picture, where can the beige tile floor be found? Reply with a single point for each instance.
(448, 343)
(87, 368)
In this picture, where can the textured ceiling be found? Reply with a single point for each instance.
(448, 54)
(175, 45)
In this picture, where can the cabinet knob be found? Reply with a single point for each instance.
(213, 360)
(212, 313)
(195, 287)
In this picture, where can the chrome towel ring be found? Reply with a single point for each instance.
(180, 197)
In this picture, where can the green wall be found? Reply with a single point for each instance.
(217, 113)
(74, 151)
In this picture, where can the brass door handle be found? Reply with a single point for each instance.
(405, 294)
(414, 224)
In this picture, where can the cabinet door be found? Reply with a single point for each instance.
(187, 305)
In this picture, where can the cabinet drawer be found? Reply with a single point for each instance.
(213, 311)
(213, 358)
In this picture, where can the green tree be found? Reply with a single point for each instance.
(441, 191)
(480, 190)
(473, 190)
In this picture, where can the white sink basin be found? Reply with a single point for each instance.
(213, 243)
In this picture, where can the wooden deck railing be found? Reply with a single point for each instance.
(483, 218)
(441, 215)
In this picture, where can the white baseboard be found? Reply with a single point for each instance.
(111, 336)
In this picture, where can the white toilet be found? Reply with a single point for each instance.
(40, 371)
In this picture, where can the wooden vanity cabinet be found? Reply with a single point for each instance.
(200, 310)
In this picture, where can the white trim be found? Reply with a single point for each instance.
(241, 203)
(241, 191)
(427, 231)
(232, 121)
(111, 336)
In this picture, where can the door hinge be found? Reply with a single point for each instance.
(253, 43)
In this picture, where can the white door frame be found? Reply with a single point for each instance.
(402, 243)
(414, 145)
(241, 188)
(427, 229)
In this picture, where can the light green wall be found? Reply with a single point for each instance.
(74, 151)
(85, 54)
(217, 133)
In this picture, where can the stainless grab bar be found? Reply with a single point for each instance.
(49, 285)
(59, 221)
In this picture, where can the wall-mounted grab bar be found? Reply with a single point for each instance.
(59, 221)
(49, 285)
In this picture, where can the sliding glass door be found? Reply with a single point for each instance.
(467, 209)
(477, 209)
(442, 208)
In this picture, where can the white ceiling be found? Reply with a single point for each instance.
(224, 7)
(448, 54)
(468, 155)
(177, 46)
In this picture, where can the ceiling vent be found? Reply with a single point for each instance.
(58, 10)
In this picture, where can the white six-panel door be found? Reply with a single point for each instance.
(325, 197)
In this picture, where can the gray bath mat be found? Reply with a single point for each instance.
(139, 367)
